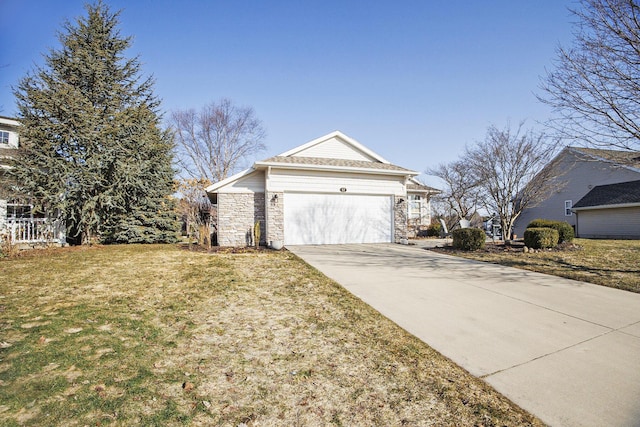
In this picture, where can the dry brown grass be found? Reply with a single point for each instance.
(155, 335)
(613, 263)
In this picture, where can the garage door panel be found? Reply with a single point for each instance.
(333, 219)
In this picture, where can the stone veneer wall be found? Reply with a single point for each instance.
(3, 213)
(399, 218)
(275, 216)
(237, 215)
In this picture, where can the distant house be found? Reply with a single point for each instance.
(578, 171)
(330, 190)
(610, 212)
(19, 222)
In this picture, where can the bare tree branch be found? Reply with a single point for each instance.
(509, 170)
(595, 86)
(459, 196)
(214, 142)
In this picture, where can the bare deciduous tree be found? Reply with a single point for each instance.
(196, 210)
(214, 142)
(595, 87)
(511, 173)
(459, 197)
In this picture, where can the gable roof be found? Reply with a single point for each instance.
(304, 149)
(629, 159)
(351, 157)
(624, 193)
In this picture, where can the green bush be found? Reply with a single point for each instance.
(434, 230)
(541, 237)
(468, 239)
(564, 229)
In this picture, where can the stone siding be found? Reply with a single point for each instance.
(400, 218)
(3, 213)
(237, 215)
(275, 217)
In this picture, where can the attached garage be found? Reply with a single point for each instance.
(609, 212)
(321, 219)
(332, 190)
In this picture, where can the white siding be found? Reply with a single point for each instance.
(617, 223)
(332, 182)
(252, 183)
(11, 126)
(334, 148)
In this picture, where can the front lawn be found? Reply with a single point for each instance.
(613, 263)
(158, 335)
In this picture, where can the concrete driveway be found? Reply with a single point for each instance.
(567, 351)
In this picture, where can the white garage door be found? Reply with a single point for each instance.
(336, 218)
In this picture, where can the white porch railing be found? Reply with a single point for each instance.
(35, 230)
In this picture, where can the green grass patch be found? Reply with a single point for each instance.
(612, 263)
(161, 336)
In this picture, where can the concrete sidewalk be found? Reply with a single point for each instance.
(567, 351)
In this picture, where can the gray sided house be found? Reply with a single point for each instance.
(610, 212)
(328, 191)
(578, 171)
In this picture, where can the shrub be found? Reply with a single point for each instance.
(468, 239)
(434, 230)
(564, 229)
(541, 237)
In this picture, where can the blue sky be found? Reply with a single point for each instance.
(412, 80)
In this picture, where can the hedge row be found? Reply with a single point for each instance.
(564, 229)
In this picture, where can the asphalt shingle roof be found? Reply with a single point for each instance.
(612, 194)
(321, 161)
(626, 158)
(421, 187)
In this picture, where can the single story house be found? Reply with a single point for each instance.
(609, 212)
(328, 191)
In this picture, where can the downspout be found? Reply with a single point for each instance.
(267, 175)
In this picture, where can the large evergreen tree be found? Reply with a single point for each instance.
(91, 143)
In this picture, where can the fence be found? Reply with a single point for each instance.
(35, 230)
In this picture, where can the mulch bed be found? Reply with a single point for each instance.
(511, 247)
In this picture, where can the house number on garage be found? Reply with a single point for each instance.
(343, 190)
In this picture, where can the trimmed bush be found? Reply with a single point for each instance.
(434, 230)
(541, 238)
(564, 229)
(468, 239)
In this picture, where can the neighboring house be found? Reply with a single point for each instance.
(18, 221)
(609, 212)
(578, 171)
(327, 191)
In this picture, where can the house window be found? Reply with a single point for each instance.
(415, 206)
(21, 211)
(17, 211)
(568, 204)
(4, 137)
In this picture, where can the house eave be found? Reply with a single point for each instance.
(327, 168)
(616, 206)
(218, 185)
(430, 192)
(9, 121)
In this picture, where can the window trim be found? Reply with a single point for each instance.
(415, 206)
(568, 204)
(8, 138)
